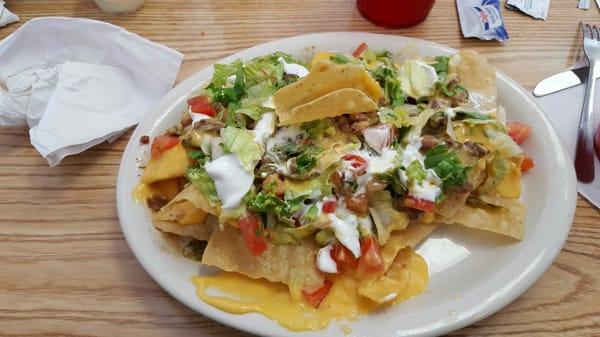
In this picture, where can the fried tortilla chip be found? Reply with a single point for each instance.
(454, 201)
(292, 264)
(184, 213)
(478, 76)
(504, 216)
(398, 240)
(335, 103)
(406, 277)
(200, 231)
(192, 195)
(409, 237)
(171, 164)
(385, 216)
(324, 78)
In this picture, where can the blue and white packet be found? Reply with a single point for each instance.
(481, 19)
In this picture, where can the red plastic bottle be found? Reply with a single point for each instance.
(395, 13)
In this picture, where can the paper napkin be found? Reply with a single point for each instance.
(6, 17)
(563, 109)
(79, 82)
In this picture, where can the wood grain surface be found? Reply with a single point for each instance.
(65, 268)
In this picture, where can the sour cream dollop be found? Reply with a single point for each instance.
(324, 261)
(232, 181)
(265, 127)
(293, 68)
(345, 228)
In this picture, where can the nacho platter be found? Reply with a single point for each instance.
(495, 208)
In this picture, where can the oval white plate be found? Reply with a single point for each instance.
(473, 274)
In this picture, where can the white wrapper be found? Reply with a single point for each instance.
(537, 9)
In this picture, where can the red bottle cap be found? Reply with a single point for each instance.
(395, 13)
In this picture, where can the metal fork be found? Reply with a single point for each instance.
(584, 156)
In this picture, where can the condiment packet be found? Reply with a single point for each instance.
(537, 9)
(584, 4)
(6, 17)
(481, 19)
(79, 82)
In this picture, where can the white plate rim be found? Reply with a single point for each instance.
(502, 298)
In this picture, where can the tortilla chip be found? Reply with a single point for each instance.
(478, 76)
(406, 277)
(409, 237)
(184, 213)
(452, 203)
(335, 103)
(385, 217)
(393, 281)
(507, 217)
(171, 164)
(191, 194)
(292, 264)
(325, 77)
(201, 231)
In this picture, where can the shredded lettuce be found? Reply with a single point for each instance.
(464, 114)
(253, 112)
(502, 142)
(222, 71)
(422, 119)
(451, 90)
(447, 166)
(415, 172)
(203, 183)
(339, 59)
(242, 143)
(315, 130)
(228, 95)
(441, 66)
(497, 170)
(310, 215)
(385, 217)
(387, 77)
(258, 93)
(200, 179)
(398, 116)
(264, 202)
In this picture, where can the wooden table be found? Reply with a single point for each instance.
(65, 269)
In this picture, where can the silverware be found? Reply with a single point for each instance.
(561, 81)
(584, 155)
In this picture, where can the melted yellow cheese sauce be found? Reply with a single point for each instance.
(238, 294)
(141, 192)
(510, 186)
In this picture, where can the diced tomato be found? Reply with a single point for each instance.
(316, 297)
(371, 260)
(161, 144)
(200, 104)
(518, 131)
(361, 49)
(527, 163)
(329, 206)
(420, 204)
(343, 256)
(255, 241)
(357, 162)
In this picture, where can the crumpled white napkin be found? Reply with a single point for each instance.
(78, 82)
(563, 109)
(6, 17)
